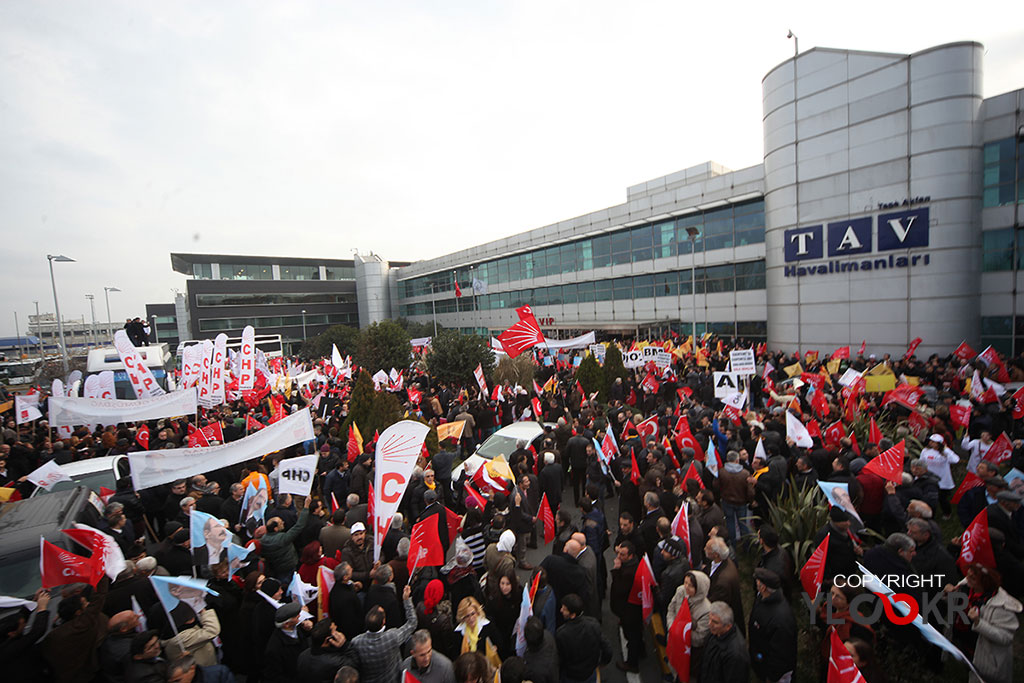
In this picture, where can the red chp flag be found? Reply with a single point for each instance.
(975, 544)
(691, 473)
(60, 567)
(523, 335)
(913, 347)
(634, 472)
(538, 413)
(641, 593)
(841, 668)
(650, 383)
(971, 480)
(842, 352)
(1000, 450)
(142, 436)
(874, 433)
(889, 465)
(454, 521)
(964, 351)
(679, 642)
(961, 415)
(548, 518)
(905, 394)
(813, 572)
(197, 438)
(1018, 404)
(425, 544)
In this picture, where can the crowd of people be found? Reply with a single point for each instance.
(735, 574)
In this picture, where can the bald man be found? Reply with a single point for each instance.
(116, 649)
(587, 560)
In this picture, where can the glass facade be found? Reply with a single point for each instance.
(340, 272)
(260, 299)
(202, 271)
(229, 271)
(1003, 172)
(1003, 333)
(998, 251)
(729, 277)
(222, 324)
(720, 228)
(300, 272)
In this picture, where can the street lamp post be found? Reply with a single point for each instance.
(692, 233)
(156, 334)
(39, 331)
(60, 258)
(303, 324)
(92, 310)
(106, 295)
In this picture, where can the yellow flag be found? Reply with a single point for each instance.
(702, 359)
(876, 384)
(833, 367)
(881, 369)
(551, 385)
(794, 370)
(450, 430)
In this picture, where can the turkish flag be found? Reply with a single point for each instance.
(648, 428)
(538, 413)
(685, 438)
(841, 668)
(142, 436)
(60, 567)
(1018, 404)
(964, 351)
(679, 642)
(681, 527)
(548, 517)
(833, 433)
(820, 403)
(960, 415)
(813, 428)
(458, 290)
(971, 480)
(643, 582)
(521, 336)
(454, 524)
(691, 473)
(813, 572)
(874, 433)
(1000, 450)
(889, 465)
(841, 352)
(905, 394)
(634, 473)
(473, 497)
(425, 544)
(975, 544)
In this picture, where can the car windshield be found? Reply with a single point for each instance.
(497, 445)
(20, 578)
(94, 480)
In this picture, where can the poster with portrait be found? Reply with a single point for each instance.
(838, 493)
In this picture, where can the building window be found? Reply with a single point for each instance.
(998, 332)
(202, 271)
(229, 271)
(261, 299)
(300, 272)
(997, 250)
(341, 272)
(1003, 173)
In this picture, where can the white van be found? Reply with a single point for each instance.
(157, 358)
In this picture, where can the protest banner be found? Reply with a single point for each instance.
(297, 474)
(142, 379)
(152, 468)
(71, 411)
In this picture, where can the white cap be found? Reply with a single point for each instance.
(936, 438)
(357, 527)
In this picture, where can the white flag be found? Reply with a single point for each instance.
(106, 385)
(48, 474)
(302, 592)
(206, 374)
(795, 430)
(398, 448)
(380, 379)
(139, 375)
(26, 408)
(479, 287)
(736, 400)
(336, 360)
(247, 360)
(91, 386)
(295, 475)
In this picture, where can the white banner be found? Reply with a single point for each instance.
(142, 379)
(633, 359)
(205, 383)
(48, 474)
(106, 385)
(727, 383)
(91, 387)
(743, 362)
(71, 412)
(304, 378)
(247, 360)
(192, 365)
(152, 468)
(26, 408)
(849, 377)
(295, 475)
(398, 448)
(220, 354)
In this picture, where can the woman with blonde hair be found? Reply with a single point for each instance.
(478, 633)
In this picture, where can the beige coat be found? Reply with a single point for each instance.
(996, 625)
(198, 640)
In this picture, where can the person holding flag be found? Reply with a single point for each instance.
(630, 615)
(694, 593)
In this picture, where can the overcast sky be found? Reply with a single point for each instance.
(132, 129)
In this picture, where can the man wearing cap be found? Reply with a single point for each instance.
(976, 499)
(772, 630)
(675, 566)
(1006, 516)
(285, 644)
(938, 457)
(357, 553)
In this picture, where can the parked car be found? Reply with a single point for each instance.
(501, 442)
(93, 473)
(23, 522)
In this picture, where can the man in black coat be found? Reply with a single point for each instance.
(345, 606)
(566, 576)
(649, 524)
(382, 594)
(432, 506)
(842, 551)
(772, 629)
(576, 454)
(328, 651)
(550, 480)
(725, 658)
(931, 559)
(630, 616)
(1006, 515)
(286, 642)
(582, 647)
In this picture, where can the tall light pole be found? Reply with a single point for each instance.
(17, 332)
(92, 310)
(692, 232)
(106, 295)
(303, 324)
(60, 258)
(39, 331)
(156, 334)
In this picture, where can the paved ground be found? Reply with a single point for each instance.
(650, 669)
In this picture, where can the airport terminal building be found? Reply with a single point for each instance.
(887, 207)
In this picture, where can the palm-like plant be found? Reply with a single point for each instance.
(798, 515)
